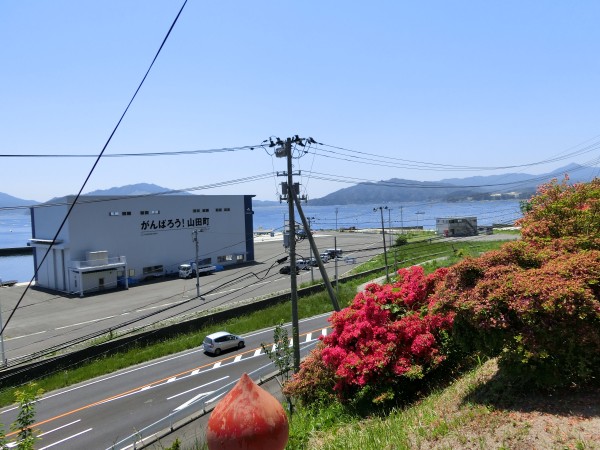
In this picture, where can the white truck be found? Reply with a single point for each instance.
(188, 270)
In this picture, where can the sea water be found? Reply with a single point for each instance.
(15, 229)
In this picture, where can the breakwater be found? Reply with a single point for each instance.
(16, 251)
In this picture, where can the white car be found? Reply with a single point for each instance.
(220, 341)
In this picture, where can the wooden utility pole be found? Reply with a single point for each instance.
(291, 195)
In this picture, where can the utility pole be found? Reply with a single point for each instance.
(3, 359)
(312, 275)
(401, 221)
(285, 151)
(195, 239)
(336, 213)
(289, 190)
(390, 226)
(381, 208)
(337, 289)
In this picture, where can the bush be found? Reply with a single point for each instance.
(539, 312)
(386, 337)
(314, 381)
(401, 239)
(560, 211)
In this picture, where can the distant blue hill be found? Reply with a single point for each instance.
(14, 205)
(136, 189)
(130, 189)
(491, 187)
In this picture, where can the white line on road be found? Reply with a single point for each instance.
(214, 398)
(59, 428)
(24, 336)
(198, 387)
(66, 439)
(160, 306)
(192, 400)
(84, 323)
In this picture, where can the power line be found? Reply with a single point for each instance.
(124, 155)
(94, 166)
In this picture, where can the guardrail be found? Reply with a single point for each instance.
(28, 371)
(197, 408)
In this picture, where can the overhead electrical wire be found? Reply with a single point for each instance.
(325, 150)
(436, 166)
(116, 127)
(124, 155)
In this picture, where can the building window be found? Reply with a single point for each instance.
(126, 213)
(131, 272)
(152, 270)
(219, 209)
(221, 259)
(240, 258)
(227, 209)
(204, 209)
(196, 210)
(144, 213)
(114, 213)
(155, 212)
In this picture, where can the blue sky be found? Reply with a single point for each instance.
(480, 85)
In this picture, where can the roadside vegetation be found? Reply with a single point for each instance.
(498, 350)
(418, 250)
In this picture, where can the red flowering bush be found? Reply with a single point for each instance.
(563, 211)
(388, 334)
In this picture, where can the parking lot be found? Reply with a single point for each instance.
(48, 319)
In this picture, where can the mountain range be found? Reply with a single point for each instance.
(395, 190)
(492, 187)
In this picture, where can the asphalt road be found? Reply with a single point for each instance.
(123, 408)
(44, 320)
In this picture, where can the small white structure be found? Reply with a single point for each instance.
(456, 226)
(107, 241)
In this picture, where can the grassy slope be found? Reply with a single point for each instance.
(477, 411)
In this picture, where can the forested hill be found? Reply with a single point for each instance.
(494, 187)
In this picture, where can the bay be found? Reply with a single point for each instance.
(15, 229)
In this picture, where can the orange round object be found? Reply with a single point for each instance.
(247, 418)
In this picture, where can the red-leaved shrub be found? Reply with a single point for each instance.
(542, 318)
(314, 381)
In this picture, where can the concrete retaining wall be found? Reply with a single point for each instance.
(27, 372)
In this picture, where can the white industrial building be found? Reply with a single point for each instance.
(456, 226)
(107, 241)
